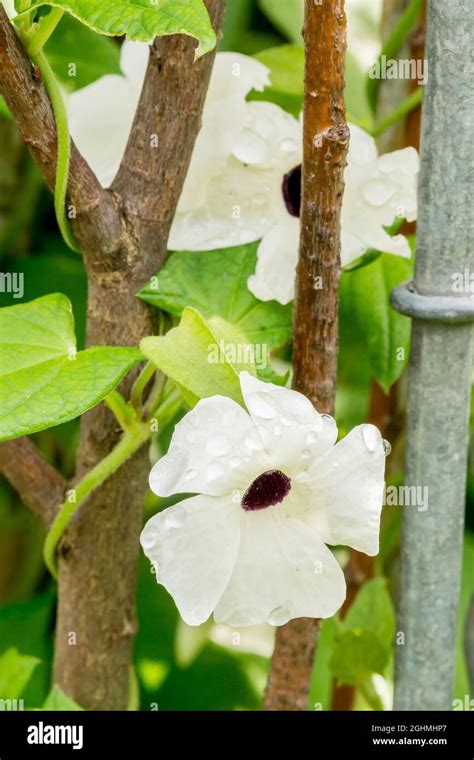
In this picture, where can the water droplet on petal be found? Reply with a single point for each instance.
(387, 447)
(175, 517)
(190, 474)
(253, 441)
(279, 616)
(371, 437)
(306, 454)
(235, 462)
(288, 146)
(312, 437)
(214, 471)
(262, 405)
(148, 539)
(218, 445)
(377, 192)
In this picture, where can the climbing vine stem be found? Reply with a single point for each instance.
(134, 437)
(64, 145)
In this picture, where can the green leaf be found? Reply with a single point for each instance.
(215, 283)
(365, 644)
(142, 20)
(53, 383)
(92, 54)
(286, 16)
(27, 626)
(57, 700)
(373, 610)
(357, 655)
(286, 64)
(365, 301)
(4, 110)
(194, 356)
(15, 672)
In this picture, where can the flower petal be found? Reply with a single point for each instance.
(274, 277)
(100, 118)
(283, 571)
(212, 451)
(134, 61)
(193, 547)
(293, 432)
(347, 487)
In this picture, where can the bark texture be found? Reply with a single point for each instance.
(123, 235)
(39, 485)
(326, 138)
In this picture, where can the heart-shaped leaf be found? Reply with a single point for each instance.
(43, 380)
(142, 20)
(215, 283)
(202, 357)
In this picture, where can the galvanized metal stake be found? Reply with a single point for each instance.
(442, 307)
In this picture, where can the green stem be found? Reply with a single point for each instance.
(122, 411)
(45, 28)
(136, 434)
(411, 102)
(25, 21)
(391, 47)
(136, 396)
(370, 695)
(131, 441)
(64, 146)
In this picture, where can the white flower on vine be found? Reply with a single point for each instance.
(273, 489)
(243, 184)
(9, 6)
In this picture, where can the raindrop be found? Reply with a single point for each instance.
(214, 471)
(253, 441)
(279, 616)
(148, 539)
(371, 437)
(377, 192)
(312, 437)
(288, 146)
(262, 405)
(235, 462)
(387, 447)
(218, 445)
(175, 517)
(190, 474)
(306, 454)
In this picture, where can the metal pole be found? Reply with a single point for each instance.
(440, 367)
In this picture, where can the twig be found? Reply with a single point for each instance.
(39, 485)
(326, 138)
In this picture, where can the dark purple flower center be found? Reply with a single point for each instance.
(268, 489)
(292, 191)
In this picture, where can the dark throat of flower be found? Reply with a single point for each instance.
(291, 188)
(268, 489)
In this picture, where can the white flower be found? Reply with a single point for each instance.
(273, 489)
(101, 114)
(241, 186)
(9, 6)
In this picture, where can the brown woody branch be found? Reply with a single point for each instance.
(123, 235)
(325, 143)
(39, 485)
(25, 94)
(169, 114)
